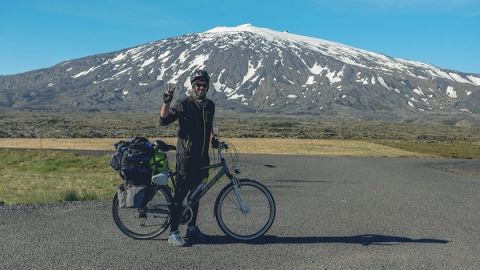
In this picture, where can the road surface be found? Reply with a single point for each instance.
(332, 213)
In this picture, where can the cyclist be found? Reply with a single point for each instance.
(195, 117)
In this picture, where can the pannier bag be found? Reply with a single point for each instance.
(135, 196)
(135, 162)
(131, 196)
(116, 160)
(122, 196)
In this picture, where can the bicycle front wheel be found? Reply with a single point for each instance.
(147, 222)
(245, 215)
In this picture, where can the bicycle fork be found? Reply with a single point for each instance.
(236, 189)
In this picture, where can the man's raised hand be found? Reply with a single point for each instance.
(168, 94)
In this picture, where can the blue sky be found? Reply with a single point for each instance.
(39, 34)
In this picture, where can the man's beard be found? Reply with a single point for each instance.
(196, 96)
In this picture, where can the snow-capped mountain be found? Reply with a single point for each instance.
(252, 69)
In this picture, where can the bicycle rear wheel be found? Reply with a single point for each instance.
(254, 220)
(147, 222)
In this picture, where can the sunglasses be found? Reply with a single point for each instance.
(201, 84)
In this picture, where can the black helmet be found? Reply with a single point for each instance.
(199, 75)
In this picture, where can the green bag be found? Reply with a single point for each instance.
(159, 162)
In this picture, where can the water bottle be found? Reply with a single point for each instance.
(196, 192)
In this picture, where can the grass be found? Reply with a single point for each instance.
(441, 149)
(321, 147)
(243, 145)
(42, 176)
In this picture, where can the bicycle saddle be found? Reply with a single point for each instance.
(164, 146)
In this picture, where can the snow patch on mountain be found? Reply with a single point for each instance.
(121, 72)
(451, 92)
(83, 73)
(148, 62)
(118, 58)
(199, 62)
(251, 70)
(235, 96)
(182, 57)
(316, 69)
(459, 78)
(382, 82)
(334, 77)
(163, 55)
(219, 87)
(310, 80)
(418, 92)
(474, 80)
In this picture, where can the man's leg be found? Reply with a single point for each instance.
(181, 190)
(195, 208)
(193, 232)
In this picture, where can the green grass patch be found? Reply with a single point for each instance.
(442, 149)
(44, 176)
(73, 195)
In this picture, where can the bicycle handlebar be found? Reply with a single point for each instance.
(222, 146)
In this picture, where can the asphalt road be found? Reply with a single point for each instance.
(332, 213)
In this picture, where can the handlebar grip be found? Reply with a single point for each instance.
(222, 145)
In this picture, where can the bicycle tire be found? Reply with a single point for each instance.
(230, 217)
(155, 222)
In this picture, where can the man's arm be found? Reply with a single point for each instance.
(213, 133)
(167, 116)
(164, 110)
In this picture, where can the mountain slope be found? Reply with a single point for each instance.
(252, 69)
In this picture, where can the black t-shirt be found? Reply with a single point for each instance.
(195, 119)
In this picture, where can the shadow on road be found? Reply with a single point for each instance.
(364, 240)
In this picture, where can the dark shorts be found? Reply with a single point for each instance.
(191, 167)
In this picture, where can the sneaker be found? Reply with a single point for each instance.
(175, 239)
(195, 234)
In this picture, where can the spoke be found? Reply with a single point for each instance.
(232, 208)
(233, 202)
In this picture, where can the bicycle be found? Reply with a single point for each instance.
(244, 209)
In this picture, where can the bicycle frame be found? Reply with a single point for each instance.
(223, 171)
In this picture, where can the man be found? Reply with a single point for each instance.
(195, 117)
